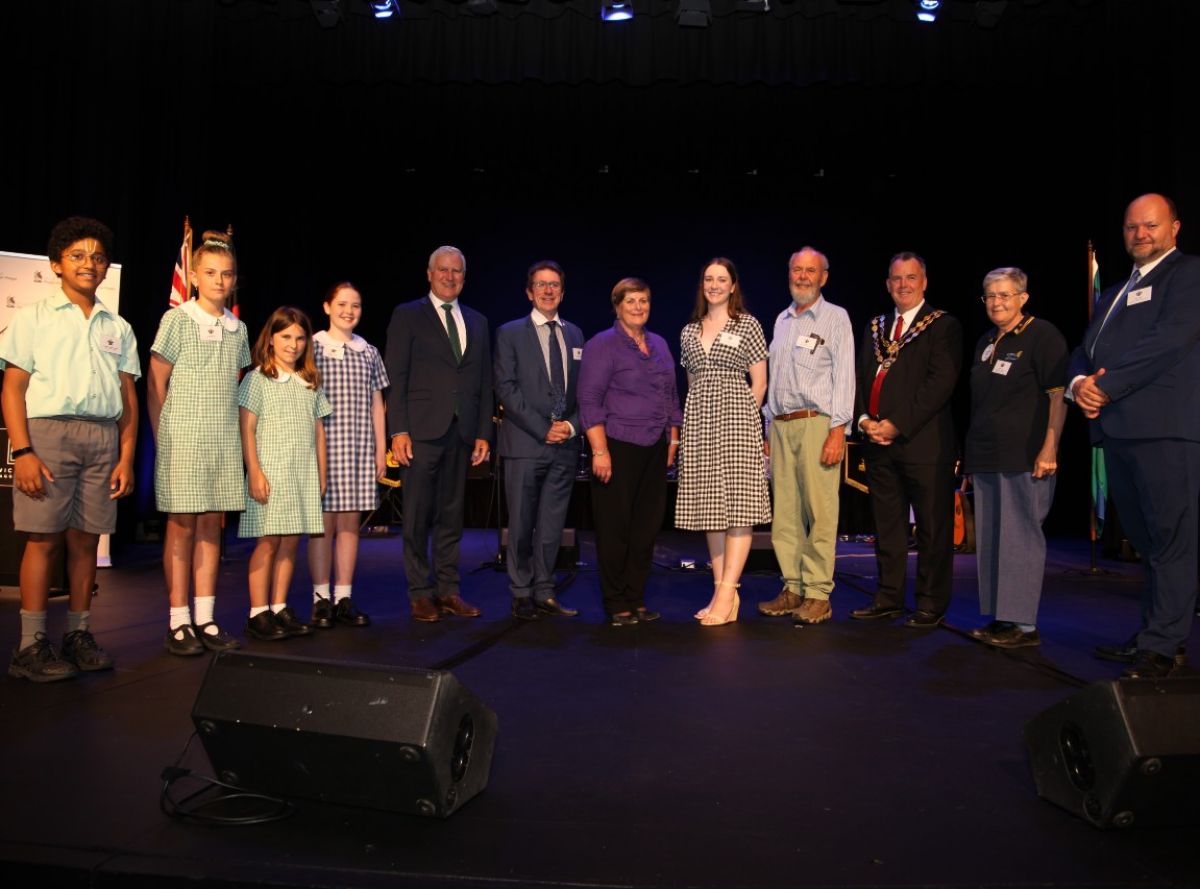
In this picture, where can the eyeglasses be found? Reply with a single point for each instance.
(1001, 297)
(547, 285)
(78, 257)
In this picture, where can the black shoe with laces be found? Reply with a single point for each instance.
(80, 648)
(347, 614)
(39, 662)
(322, 614)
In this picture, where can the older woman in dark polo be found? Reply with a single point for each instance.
(1017, 413)
(629, 407)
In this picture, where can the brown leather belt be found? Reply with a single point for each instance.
(796, 415)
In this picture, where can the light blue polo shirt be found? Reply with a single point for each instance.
(73, 362)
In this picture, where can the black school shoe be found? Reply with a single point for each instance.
(265, 628)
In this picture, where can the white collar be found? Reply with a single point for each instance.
(357, 343)
(285, 377)
(192, 309)
(540, 320)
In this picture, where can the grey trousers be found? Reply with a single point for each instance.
(1010, 546)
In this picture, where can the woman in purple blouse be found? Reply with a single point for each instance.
(629, 407)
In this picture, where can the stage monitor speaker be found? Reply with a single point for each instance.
(378, 737)
(1122, 753)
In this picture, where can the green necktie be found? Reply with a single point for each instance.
(452, 331)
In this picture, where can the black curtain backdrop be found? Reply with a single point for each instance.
(634, 148)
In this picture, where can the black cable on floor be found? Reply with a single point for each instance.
(190, 808)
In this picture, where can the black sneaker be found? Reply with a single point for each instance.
(322, 614)
(347, 614)
(286, 620)
(264, 627)
(182, 641)
(218, 639)
(80, 648)
(39, 662)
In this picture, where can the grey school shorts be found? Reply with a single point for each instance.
(81, 455)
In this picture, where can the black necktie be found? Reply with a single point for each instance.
(452, 332)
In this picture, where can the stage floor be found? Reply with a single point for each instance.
(661, 755)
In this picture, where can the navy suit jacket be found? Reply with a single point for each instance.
(523, 386)
(916, 392)
(1150, 352)
(426, 382)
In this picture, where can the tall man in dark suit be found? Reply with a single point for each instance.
(908, 365)
(536, 371)
(1137, 379)
(439, 361)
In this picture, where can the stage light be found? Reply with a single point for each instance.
(694, 13)
(616, 10)
(383, 9)
(927, 10)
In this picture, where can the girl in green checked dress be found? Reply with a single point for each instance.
(283, 444)
(192, 401)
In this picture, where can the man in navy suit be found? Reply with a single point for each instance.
(536, 371)
(439, 361)
(1136, 377)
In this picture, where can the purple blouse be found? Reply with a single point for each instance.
(632, 394)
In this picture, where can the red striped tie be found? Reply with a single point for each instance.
(877, 384)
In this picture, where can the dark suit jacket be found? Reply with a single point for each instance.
(523, 387)
(1150, 352)
(427, 384)
(916, 391)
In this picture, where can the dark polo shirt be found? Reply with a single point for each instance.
(1010, 406)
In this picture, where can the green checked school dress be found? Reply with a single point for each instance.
(198, 460)
(287, 411)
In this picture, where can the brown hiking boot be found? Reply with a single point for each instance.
(782, 605)
(813, 611)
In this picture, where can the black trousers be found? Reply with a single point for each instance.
(929, 489)
(628, 511)
(435, 487)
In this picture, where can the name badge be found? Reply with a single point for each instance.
(809, 342)
(1141, 295)
(1001, 367)
(729, 339)
(210, 333)
(337, 354)
(577, 353)
(987, 351)
(110, 344)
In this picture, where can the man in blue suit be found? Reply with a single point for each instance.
(536, 371)
(439, 407)
(1136, 377)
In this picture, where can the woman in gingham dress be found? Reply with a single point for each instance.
(283, 444)
(192, 401)
(353, 378)
(722, 481)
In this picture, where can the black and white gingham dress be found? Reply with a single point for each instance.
(722, 482)
(350, 375)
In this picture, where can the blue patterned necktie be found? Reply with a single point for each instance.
(558, 382)
(1118, 304)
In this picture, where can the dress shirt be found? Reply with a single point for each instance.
(820, 379)
(632, 394)
(539, 325)
(74, 362)
(458, 319)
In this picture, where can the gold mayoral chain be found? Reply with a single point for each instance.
(890, 347)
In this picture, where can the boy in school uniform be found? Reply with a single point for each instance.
(71, 410)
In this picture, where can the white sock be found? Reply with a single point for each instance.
(341, 592)
(32, 623)
(277, 607)
(181, 616)
(256, 610)
(77, 620)
(204, 614)
(320, 591)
